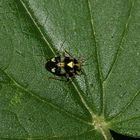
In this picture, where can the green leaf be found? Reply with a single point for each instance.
(106, 34)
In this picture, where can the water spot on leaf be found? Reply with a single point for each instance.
(16, 100)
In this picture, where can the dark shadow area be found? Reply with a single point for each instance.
(117, 136)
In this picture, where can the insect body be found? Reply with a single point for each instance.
(64, 66)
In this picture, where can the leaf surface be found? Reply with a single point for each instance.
(106, 96)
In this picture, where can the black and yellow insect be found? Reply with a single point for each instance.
(66, 66)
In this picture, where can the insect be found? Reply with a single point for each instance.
(65, 66)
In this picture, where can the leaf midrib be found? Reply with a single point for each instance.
(50, 46)
(38, 28)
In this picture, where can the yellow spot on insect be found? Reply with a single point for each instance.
(61, 64)
(71, 64)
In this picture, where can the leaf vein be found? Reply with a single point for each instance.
(49, 44)
(128, 119)
(44, 100)
(37, 26)
(97, 53)
(127, 105)
(122, 40)
(17, 118)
